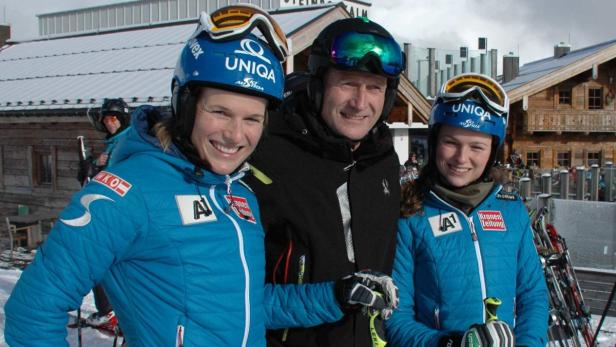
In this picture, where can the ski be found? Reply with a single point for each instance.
(569, 322)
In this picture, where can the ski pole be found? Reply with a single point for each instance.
(491, 305)
(79, 327)
(605, 310)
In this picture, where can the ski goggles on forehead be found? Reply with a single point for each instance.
(351, 49)
(236, 21)
(478, 87)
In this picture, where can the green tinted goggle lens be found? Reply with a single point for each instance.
(351, 48)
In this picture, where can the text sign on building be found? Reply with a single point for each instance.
(355, 8)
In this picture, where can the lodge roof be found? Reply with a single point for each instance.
(536, 76)
(137, 65)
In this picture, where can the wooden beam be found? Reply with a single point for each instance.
(1, 167)
(302, 39)
(411, 95)
(54, 168)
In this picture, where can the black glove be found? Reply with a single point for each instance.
(87, 169)
(367, 289)
(492, 334)
(451, 340)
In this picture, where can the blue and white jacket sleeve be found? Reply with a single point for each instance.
(531, 293)
(300, 305)
(402, 328)
(92, 232)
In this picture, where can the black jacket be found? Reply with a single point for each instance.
(302, 215)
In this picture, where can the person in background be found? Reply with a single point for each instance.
(465, 246)
(114, 120)
(327, 175)
(412, 161)
(181, 246)
(411, 168)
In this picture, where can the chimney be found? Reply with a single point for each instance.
(5, 34)
(511, 67)
(432, 84)
(493, 62)
(407, 50)
(561, 50)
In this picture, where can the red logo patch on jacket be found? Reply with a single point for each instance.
(492, 221)
(113, 182)
(241, 208)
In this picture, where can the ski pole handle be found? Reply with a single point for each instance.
(82, 147)
(491, 305)
(377, 333)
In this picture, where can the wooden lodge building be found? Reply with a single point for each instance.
(47, 85)
(563, 112)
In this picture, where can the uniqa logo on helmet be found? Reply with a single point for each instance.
(262, 68)
(468, 108)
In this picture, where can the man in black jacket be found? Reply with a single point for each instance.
(326, 176)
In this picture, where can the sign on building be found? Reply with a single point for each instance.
(355, 8)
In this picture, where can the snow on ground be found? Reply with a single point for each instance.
(90, 337)
(94, 338)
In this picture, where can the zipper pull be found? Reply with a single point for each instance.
(473, 233)
(179, 339)
(228, 184)
(348, 167)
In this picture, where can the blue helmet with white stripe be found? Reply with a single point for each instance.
(244, 65)
(474, 102)
(471, 115)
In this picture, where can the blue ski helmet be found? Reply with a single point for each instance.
(469, 115)
(244, 65)
(473, 102)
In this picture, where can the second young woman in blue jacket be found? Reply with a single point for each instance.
(462, 239)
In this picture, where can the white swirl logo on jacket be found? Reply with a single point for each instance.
(84, 219)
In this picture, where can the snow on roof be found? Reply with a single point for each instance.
(77, 72)
(539, 68)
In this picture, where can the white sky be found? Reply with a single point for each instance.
(530, 28)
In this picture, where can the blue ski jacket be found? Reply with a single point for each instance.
(179, 251)
(448, 262)
(111, 142)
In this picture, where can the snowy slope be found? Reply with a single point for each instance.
(93, 338)
(90, 337)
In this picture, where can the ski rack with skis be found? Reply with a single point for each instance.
(569, 320)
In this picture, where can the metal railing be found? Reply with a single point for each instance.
(579, 183)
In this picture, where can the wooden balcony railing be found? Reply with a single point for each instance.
(571, 121)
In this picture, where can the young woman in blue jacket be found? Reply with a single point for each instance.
(180, 247)
(463, 242)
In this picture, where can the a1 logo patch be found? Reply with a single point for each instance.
(445, 223)
(194, 209)
(241, 208)
(492, 221)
